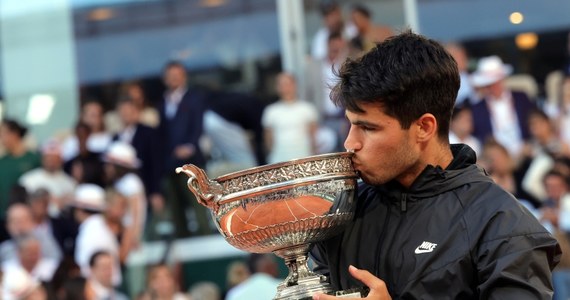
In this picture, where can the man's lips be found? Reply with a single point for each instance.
(356, 165)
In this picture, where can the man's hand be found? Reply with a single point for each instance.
(378, 289)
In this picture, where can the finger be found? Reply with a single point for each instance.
(374, 283)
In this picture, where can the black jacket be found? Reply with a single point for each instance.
(453, 234)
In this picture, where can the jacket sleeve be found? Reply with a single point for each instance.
(517, 267)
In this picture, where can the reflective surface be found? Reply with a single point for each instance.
(282, 208)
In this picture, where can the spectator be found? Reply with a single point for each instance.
(98, 140)
(86, 166)
(121, 164)
(461, 128)
(320, 74)
(89, 205)
(331, 13)
(368, 33)
(500, 165)
(205, 291)
(181, 125)
(30, 259)
(15, 162)
(555, 216)
(63, 228)
(262, 284)
(20, 223)
(50, 176)
(99, 283)
(237, 273)
(290, 124)
(560, 111)
(144, 141)
(466, 94)
(540, 152)
(502, 114)
(133, 92)
(117, 206)
(162, 286)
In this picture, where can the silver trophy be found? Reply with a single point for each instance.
(282, 208)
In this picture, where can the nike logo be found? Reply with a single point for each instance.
(425, 247)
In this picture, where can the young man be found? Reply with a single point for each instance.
(429, 223)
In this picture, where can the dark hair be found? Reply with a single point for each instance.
(361, 9)
(407, 75)
(15, 127)
(82, 125)
(18, 194)
(173, 64)
(328, 6)
(334, 36)
(459, 109)
(96, 255)
(556, 173)
(537, 112)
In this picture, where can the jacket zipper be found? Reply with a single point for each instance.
(404, 202)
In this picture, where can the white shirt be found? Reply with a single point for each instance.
(172, 101)
(289, 122)
(43, 270)
(505, 123)
(132, 186)
(127, 134)
(97, 142)
(258, 286)
(103, 293)
(94, 235)
(58, 184)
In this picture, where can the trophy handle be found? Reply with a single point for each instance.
(208, 192)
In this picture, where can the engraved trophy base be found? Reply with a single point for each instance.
(304, 289)
(302, 283)
(307, 287)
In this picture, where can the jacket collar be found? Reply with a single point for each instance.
(434, 180)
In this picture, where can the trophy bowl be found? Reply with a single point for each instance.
(282, 208)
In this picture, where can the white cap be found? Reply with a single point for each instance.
(122, 154)
(490, 69)
(89, 196)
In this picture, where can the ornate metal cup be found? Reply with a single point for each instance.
(282, 208)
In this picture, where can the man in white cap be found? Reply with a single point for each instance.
(94, 234)
(121, 162)
(503, 113)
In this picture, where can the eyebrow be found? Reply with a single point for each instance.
(364, 123)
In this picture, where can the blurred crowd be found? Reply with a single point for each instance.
(77, 205)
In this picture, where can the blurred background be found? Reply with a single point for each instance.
(58, 57)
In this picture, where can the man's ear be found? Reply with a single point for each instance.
(427, 127)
